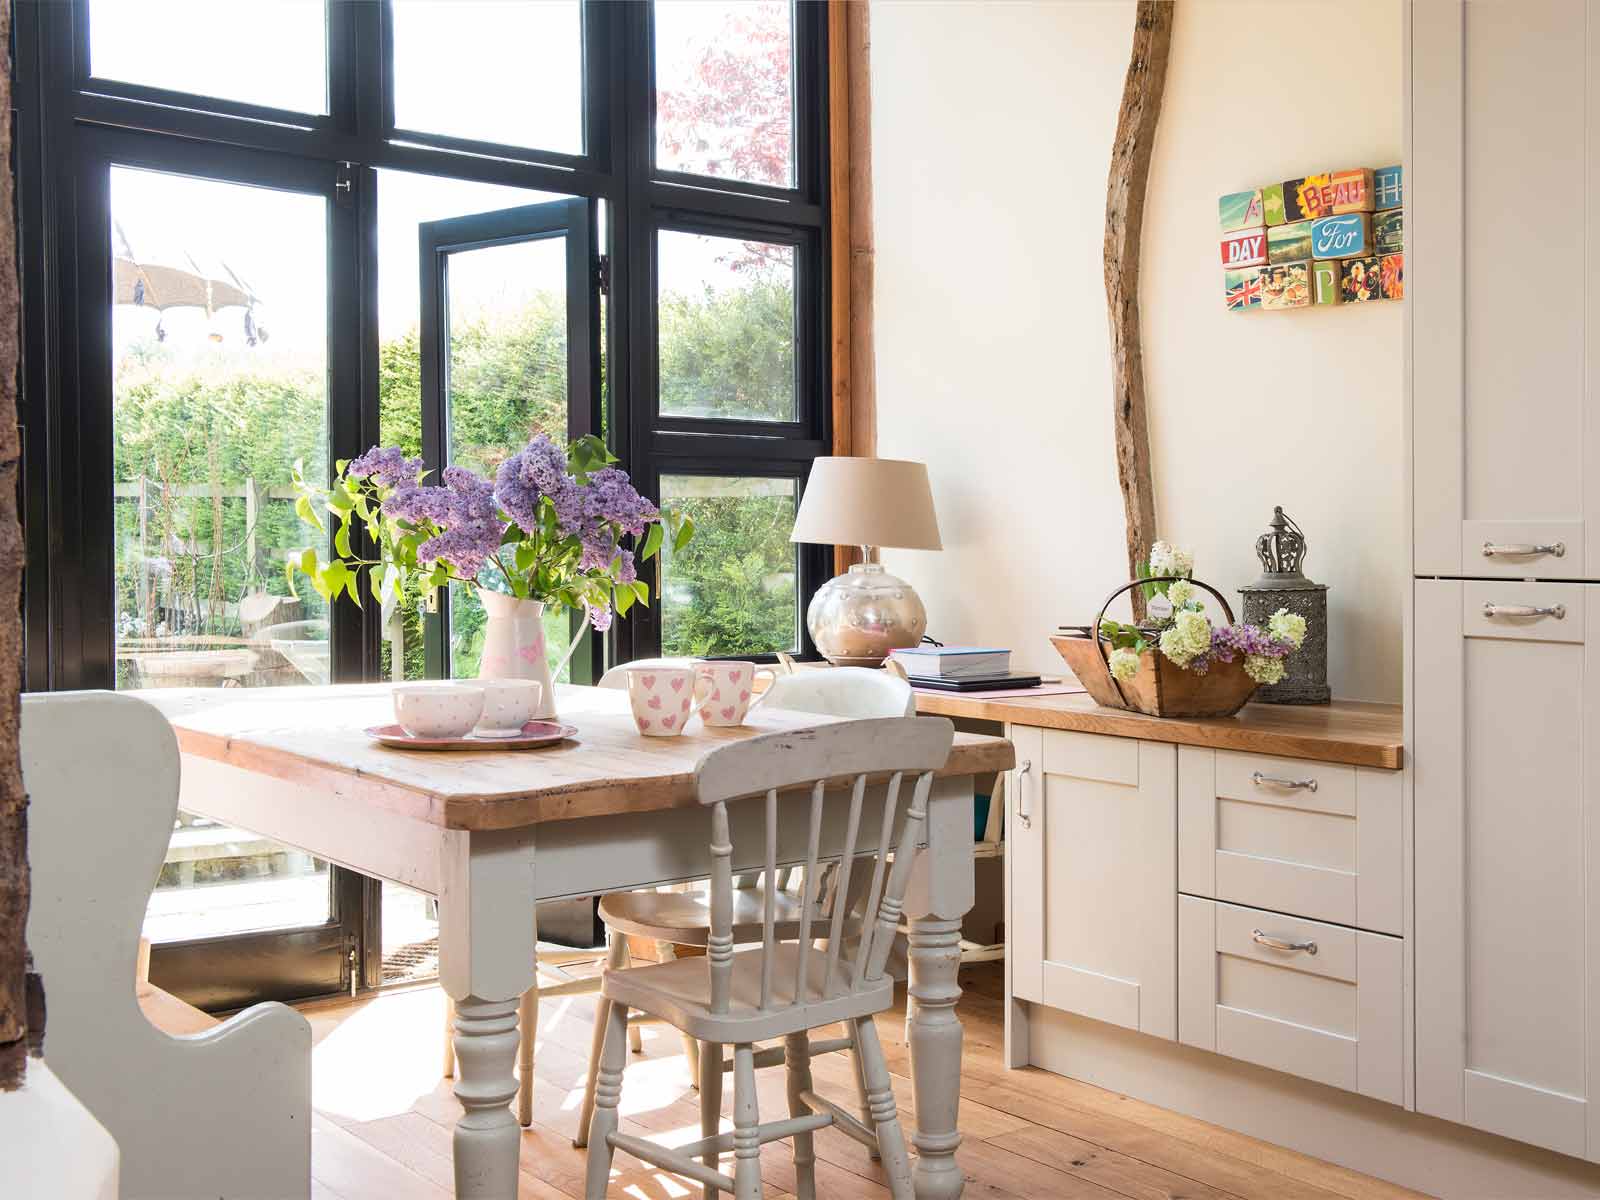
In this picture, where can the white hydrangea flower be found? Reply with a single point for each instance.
(1287, 627)
(1263, 668)
(1161, 558)
(1182, 563)
(1187, 639)
(1124, 664)
(1182, 593)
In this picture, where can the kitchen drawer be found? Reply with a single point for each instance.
(1329, 1010)
(1320, 840)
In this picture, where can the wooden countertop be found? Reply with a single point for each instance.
(313, 735)
(1346, 731)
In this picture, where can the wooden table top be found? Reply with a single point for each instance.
(313, 736)
(1346, 731)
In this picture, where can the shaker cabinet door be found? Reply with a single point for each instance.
(1507, 801)
(1104, 930)
(1505, 104)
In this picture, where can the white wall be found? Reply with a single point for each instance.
(992, 127)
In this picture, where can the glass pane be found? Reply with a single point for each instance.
(503, 71)
(234, 50)
(725, 327)
(410, 935)
(732, 590)
(220, 363)
(502, 364)
(725, 89)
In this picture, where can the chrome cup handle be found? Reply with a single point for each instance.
(1558, 611)
(1273, 942)
(1523, 549)
(1257, 778)
(1025, 767)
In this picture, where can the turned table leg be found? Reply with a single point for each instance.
(486, 963)
(941, 893)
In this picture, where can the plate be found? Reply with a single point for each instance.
(534, 734)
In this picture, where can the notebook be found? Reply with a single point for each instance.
(955, 662)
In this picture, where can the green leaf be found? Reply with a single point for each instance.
(652, 541)
(641, 589)
(681, 538)
(341, 539)
(623, 599)
(303, 510)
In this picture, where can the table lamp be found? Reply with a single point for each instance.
(857, 618)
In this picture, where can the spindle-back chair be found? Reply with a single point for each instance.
(785, 987)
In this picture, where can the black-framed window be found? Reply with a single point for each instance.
(682, 144)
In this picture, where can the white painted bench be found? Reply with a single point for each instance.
(225, 1112)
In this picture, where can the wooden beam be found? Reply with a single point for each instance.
(14, 1022)
(850, 199)
(1125, 194)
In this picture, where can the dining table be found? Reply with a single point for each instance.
(491, 833)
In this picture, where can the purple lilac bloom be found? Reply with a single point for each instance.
(599, 616)
(463, 511)
(387, 464)
(613, 498)
(627, 570)
(1232, 640)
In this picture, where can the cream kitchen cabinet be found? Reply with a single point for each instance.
(1507, 731)
(1504, 104)
(1091, 845)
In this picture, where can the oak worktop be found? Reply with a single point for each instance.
(1346, 731)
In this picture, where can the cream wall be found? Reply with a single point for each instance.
(992, 127)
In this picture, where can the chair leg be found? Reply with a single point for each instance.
(746, 1126)
(797, 1062)
(607, 1093)
(861, 1087)
(885, 1119)
(527, 1032)
(635, 1036)
(616, 958)
(449, 1037)
(710, 1104)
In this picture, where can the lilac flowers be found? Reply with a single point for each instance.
(551, 525)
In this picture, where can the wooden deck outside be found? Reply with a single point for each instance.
(382, 1130)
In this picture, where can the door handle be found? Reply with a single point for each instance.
(1558, 611)
(1025, 767)
(1273, 942)
(1258, 779)
(1558, 549)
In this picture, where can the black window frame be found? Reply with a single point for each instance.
(63, 117)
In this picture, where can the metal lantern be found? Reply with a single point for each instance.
(1282, 585)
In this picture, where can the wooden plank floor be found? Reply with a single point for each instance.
(382, 1129)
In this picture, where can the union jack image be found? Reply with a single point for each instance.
(1243, 289)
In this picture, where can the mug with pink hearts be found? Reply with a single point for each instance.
(662, 698)
(728, 701)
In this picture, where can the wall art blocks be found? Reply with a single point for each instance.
(1387, 190)
(1324, 239)
(1289, 243)
(1389, 231)
(1240, 210)
(1348, 236)
(1245, 248)
(1241, 289)
(1286, 285)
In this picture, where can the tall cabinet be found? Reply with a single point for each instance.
(1504, 184)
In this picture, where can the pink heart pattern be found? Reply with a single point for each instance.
(676, 683)
(727, 713)
(669, 720)
(654, 702)
(649, 681)
(531, 653)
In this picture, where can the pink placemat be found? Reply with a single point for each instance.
(1044, 689)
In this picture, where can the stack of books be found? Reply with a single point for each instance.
(962, 668)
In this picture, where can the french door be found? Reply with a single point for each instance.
(488, 280)
(210, 282)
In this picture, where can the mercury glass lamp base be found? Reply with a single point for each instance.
(858, 618)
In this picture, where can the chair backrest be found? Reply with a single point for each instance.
(856, 692)
(777, 766)
(224, 1112)
(617, 676)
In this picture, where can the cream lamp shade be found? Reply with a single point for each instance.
(868, 502)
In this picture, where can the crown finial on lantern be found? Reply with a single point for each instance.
(1283, 547)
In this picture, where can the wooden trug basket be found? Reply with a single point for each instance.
(1161, 688)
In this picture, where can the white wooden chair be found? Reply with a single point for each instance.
(682, 918)
(785, 987)
(226, 1112)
